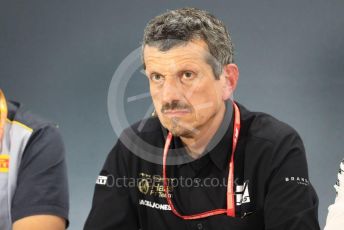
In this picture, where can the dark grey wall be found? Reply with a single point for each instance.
(58, 58)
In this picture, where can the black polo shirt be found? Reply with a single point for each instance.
(272, 189)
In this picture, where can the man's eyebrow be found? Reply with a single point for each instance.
(154, 72)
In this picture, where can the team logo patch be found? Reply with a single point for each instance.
(152, 185)
(298, 180)
(143, 186)
(4, 163)
(101, 180)
(242, 194)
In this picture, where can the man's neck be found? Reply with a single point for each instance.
(196, 144)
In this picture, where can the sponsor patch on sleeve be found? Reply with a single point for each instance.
(4, 163)
(101, 180)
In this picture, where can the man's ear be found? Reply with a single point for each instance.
(231, 74)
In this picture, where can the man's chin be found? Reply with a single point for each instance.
(176, 128)
(181, 133)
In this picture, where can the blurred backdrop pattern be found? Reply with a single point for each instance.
(58, 58)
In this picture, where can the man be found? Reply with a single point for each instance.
(223, 167)
(335, 217)
(33, 179)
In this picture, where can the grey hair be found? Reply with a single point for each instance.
(177, 27)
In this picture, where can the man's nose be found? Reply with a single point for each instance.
(171, 91)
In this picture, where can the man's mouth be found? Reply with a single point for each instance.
(176, 112)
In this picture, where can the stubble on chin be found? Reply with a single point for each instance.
(179, 128)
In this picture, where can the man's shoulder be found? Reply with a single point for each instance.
(34, 131)
(18, 114)
(265, 126)
(145, 128)
(144, 139)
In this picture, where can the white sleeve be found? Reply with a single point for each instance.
(335, 217)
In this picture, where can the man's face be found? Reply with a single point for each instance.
(185, 93)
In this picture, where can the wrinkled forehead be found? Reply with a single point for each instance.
(195, 50)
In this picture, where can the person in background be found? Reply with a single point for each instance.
(335, 216)
(33, 178)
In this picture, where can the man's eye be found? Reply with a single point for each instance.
(188, 75)
(156, 77)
